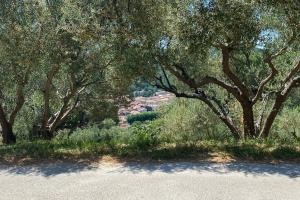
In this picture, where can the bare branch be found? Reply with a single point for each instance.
(46, 90)
(264, 82)
(166, 77)
(178, 71)
(228, 87)
(221, 112)
(295, 82)
(226, 69)
(293, 72)
(259, 121)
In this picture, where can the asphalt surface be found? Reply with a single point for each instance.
(151, 181)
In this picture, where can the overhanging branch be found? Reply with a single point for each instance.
(220, 111)
(264, 82)
(227, 71)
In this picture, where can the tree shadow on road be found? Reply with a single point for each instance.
(290, 170)
(47, 170)
(58, 168)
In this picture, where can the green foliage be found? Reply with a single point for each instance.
(190, 121)
(287, 125)
(142, 117)
(60, 63)
(72, 62)
(183, 47)
(108, 123)
(138, 136)
(66, 150)
(142, 88)
(144, 136)
(95, 134)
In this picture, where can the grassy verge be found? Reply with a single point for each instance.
(205, 150)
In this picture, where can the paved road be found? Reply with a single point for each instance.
(151, 181)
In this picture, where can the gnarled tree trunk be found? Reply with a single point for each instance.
(8, 136)
(248, 121)
(247, 98)
(281, 97)
(46, 134)
(8, 122)
(50, 123)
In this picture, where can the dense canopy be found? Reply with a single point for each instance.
(70, 59)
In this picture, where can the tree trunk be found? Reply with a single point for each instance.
(7, 130)
(281, 97)
(7, 134)
(248, 121)
(46, 134)
(272, 115)
(45, 119)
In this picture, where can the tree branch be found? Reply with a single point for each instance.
(259, 121)
(19, 103)
(228, 87)
(284, 49)
(264, 82)
(182, 75)
(179, 72)
(281, 97)
(226, 69)
(222, 114)
(293, 72)
(20, 98)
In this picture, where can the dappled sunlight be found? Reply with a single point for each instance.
(290, 170)
(61, 168)
(46, 170)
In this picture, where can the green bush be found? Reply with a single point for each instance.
(287, 125)
(144, 135)
(190, 121)
(62, 135)
(138, 136)
(146, 116)
(96, 134)
(108, 123)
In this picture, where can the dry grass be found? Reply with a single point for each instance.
(204, 151)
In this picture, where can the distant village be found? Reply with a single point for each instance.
(143, 104)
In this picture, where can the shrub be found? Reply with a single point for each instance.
(96, 134)
(146, 116)
(108, 123)
(138, 136)
(190, 121)
(63, 135)
(144, 135)
(287, 126)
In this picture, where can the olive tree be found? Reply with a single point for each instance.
(219, 52)
(79, 59)
(19, 50)
(61, 54)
